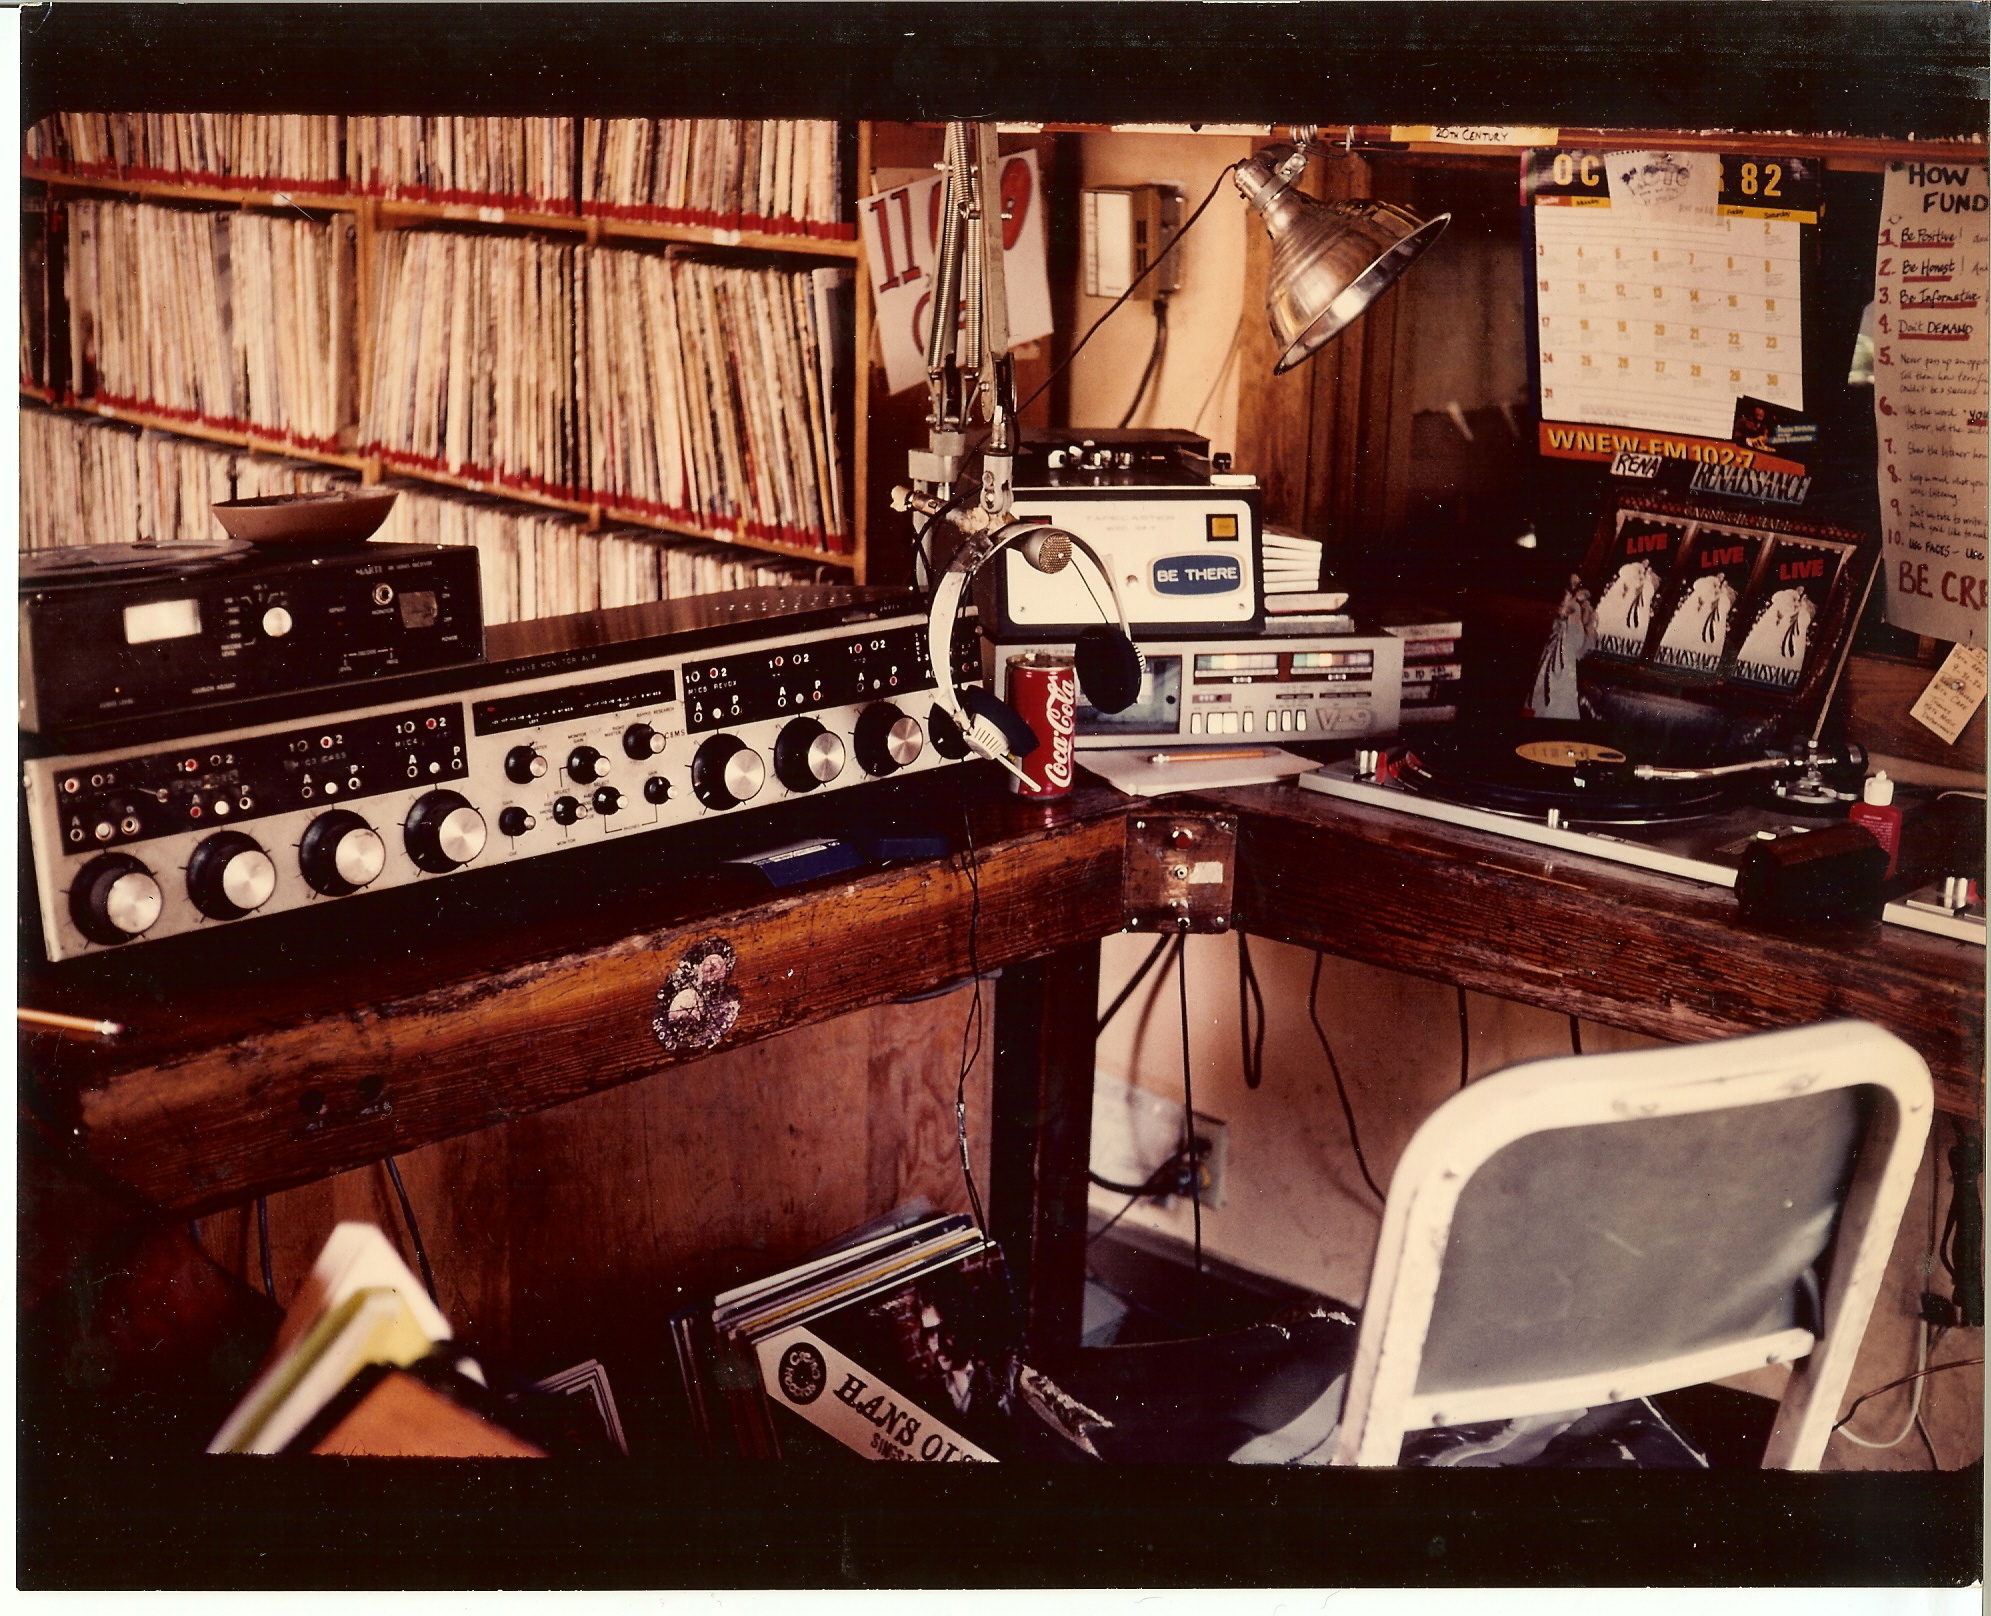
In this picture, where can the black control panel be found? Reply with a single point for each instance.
(195, 788)
(726, 690)
(503, 713)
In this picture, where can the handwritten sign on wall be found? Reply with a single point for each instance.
(901, 241)
(1932, 386)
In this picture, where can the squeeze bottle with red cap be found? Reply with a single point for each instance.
(1880, 816)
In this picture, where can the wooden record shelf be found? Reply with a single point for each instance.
(373, 214)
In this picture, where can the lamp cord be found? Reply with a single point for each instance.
(1155, 356)
(1340, 1088)
(1160, 258)
(1189, 1119)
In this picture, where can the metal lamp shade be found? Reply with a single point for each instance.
(1330, 260)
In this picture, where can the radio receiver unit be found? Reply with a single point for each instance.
(693, 708)
(1303, 687)
(112, 631)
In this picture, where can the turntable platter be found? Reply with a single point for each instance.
(1579, 769)
(97, 563)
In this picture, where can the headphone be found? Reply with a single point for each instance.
(1109, 665)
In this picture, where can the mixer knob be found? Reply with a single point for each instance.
(524, 764)
(726, 772)
(945, 734)
(340, 853)
(115, 899)
(657, 790)
(608, 800)
(641, 742)
(887, 740)
(806, 755)
(514, 821)
(566, 810)
(443, 831)
(229, 876)
(587, 765)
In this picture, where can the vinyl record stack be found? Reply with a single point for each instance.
(473, 364)
(710, 396)
(771, 177)
(525, 164)
(235, 320)
(288, 151)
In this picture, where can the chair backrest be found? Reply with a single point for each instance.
(1598, 1228)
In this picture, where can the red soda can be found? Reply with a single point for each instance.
(1043, 687)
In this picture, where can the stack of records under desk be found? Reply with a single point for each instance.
(903, 1347)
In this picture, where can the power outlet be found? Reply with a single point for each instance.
(1135, 1131)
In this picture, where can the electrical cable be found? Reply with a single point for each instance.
(1251, 1050)
(1223, 370)
(1932, 1369)
(414, 1229)
(1189, 1116)
(1133, 982)
(1160, 259)
(1155, 356)
(263, 1246)
(971, 1025)
(1914, 1400)
(1575, 1036)
(1340, 1088)
(1465, 1043)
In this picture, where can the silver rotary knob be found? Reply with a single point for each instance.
(886, 739)
(230, 876)
(725, 772)
(115, 899)
(806, 755)
(443, 831)
(339, 853)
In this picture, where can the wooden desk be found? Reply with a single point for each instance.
(295, 1056)
(1606, 942)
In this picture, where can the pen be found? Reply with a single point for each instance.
(54, 1018)
(1221, 754)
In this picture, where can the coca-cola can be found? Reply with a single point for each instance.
(1043, 687)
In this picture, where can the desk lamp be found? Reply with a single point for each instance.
(1330, 260)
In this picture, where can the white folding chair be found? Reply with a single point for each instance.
(1595, 1229)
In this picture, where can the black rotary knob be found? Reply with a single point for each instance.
(657, 790)
(641, 742)
(608, 800)
(587, 765)
(566, 810)
(340, 852)
(806, 755)
(443, 831)
(229, 876)
(524, 764)
(514, 821)
(946, 735)
(886, 739)
(726, 772)
(115, 899)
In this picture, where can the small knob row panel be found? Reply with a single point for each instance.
(115, 897)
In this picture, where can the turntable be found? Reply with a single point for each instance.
(1586, 788)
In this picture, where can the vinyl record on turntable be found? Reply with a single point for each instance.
(1532, 766)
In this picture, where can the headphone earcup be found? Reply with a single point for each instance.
(992, 718)
(1110, 668)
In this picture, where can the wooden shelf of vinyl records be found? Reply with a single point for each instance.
(377, 213)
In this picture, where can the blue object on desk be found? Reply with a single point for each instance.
(798, 862)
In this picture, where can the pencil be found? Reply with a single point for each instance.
(1220, 754)
(62, 1023)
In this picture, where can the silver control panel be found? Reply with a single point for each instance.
(1301, 687)
(153, 841)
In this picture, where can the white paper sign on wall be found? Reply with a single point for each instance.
(901, 241)
(1932, 394)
